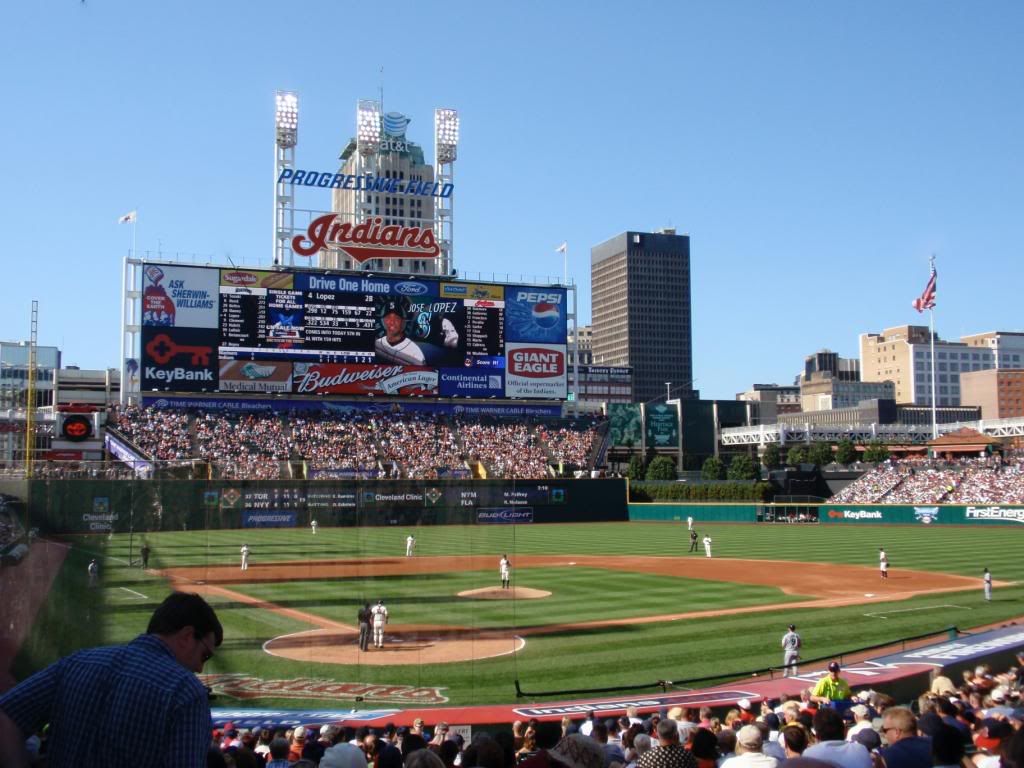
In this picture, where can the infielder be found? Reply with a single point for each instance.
(689, 522)
(883, 563)
(410, 544)
(504, 569)
(245, 557)
(313, 524)
(986, 577)
(707, 546)
(791, 644)
(379, 613)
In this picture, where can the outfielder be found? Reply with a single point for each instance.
(707, 546)
(791, 644)
(245, 557)
(313, 524)
(379, 613)
(410, 545)
(504, 568)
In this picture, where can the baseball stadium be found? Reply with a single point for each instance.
(383, 479)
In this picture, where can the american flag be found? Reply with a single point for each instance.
(927, 299)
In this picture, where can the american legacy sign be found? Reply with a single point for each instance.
(304, 332)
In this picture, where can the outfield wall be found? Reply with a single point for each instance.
(99, 506)
(894, 514)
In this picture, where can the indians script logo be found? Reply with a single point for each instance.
(926, 515)
(367, 240)
(241, 686)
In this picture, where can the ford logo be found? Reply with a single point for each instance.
(411, 289)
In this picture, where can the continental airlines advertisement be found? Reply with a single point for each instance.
(208, 329)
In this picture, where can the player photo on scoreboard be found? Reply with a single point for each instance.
(430, 332)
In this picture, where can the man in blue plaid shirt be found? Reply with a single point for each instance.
(139, 704)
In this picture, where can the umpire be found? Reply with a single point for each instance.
(364, 627)
(693, 540)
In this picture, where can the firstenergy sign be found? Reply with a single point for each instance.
(1001, 514)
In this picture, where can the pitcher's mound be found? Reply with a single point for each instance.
(497, 593)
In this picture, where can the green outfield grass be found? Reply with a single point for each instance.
(619, 655)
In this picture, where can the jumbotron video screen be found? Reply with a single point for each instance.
(210, 329)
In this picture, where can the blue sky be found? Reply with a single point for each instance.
(816, 153)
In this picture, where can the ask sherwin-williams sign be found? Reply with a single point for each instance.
(930, 514)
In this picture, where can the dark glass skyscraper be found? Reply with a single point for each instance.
(640, 307)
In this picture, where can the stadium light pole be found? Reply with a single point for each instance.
(286, 125)
(446, 152)
(668, 391)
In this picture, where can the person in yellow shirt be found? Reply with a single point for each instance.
(832, 690)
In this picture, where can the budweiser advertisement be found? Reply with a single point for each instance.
(357, 379)
(535, 370)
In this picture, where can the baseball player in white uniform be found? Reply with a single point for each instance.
(505, 569)
(791, 644)
(245, 557)
(379, 614)
(707, 546)
(689, 522)
(410, 545)
(883, 563)
(313, 524)
(986, 577)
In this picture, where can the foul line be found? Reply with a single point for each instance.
(141, 596)
(880, 614)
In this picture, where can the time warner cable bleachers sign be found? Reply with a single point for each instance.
(209, 329)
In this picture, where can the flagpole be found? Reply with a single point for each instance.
(931, 318)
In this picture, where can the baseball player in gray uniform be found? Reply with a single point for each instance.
(504, 570)
(791, 644)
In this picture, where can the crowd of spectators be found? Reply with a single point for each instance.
(414, 445)
(974, 725)
(511, 451)
(161, 434)
(250, 446)
(987, 480)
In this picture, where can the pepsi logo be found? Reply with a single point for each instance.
(545, 314)
(536, 363)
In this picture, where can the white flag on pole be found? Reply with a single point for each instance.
(563, 247)
(128, 218)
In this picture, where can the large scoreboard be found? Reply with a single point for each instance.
(209, 329)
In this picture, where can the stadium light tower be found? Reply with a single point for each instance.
(286, 123)
(446, 151)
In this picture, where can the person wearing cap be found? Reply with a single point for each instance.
(693, 540)
(861, 720)
(94, 573)
(139, 704)
(379, 612)
(245, 557)
(832, 690)
(883, 563)
(791, 645)
(986, 578)
(989, 740)
(394, 346)
(749, 750)
(410, 545)
(832, 745)
(505, 572)
(363, 616)
(707, 545)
